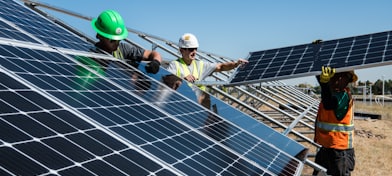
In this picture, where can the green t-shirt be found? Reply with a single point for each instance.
(343, 103)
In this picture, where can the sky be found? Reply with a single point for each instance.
(233, 28)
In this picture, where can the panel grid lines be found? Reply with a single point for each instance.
(248, 145)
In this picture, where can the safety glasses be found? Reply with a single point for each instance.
(114, 41)
(190, 49)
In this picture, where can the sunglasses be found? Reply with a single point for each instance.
(113, 41)
(190, 49)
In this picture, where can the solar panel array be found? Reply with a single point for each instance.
(68, 113)
(356, 52)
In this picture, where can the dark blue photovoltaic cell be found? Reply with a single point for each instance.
(45, 30)
(47, 138)
(130, 114)
(6, 31)
(362, 51)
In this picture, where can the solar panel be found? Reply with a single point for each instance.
(126, 114)
(41, 28)
(356, 52)
(39, 136)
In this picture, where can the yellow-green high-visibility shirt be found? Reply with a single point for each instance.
(196, 72)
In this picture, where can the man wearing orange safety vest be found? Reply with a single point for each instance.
(111, 30)
(191, 70)
(334, 127)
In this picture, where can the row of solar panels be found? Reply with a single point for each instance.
(70, 112)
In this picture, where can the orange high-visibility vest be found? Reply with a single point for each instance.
(331, 133)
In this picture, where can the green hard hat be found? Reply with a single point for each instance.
(110, 24)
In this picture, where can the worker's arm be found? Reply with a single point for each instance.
(150, 55)
(229, 65)
(330, 102)
(155, 58)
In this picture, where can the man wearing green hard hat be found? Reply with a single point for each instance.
(111, 30)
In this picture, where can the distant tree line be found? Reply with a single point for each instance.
(377, 86)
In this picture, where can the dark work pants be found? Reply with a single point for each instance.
(337, 162)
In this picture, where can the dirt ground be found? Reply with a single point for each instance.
(373, 144)
(373, 147)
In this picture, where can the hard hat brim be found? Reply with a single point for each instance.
(354, 76)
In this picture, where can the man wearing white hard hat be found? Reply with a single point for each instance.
(191, 70)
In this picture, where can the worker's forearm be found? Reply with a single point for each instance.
(229, 66)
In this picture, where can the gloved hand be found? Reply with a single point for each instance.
(326, 74)
(318, 41)
(153, 67)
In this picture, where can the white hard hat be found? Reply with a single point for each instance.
(188, 41)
